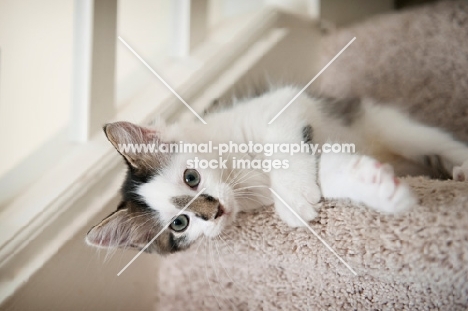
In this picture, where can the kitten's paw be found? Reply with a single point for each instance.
(300, 206)
(370, 171)
(395, 196)
(460, 173)
(313, 195)
(382, 190)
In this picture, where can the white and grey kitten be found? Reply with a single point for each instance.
(159, 185)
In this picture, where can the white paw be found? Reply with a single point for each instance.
(302, 207)
(460, 173)
(370, 171)
(313, 194)
(382, 191)
(395, 196)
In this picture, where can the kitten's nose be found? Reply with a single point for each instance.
(220, 211)
(208, 197)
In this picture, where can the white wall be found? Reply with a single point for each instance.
(35, 74)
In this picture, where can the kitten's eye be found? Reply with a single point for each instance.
(191, 178)
(180, 223)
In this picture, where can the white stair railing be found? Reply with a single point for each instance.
(95, 34)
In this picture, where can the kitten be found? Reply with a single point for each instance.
(159, 185)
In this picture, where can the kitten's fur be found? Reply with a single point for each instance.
(155, 191)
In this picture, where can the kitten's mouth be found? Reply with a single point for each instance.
(220, 212)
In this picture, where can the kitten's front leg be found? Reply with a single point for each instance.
(297, 186)
(364, 179)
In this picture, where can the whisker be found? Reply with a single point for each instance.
(208, 279)
(243, 176)
(224, 268)
(257, 201)
(200, 242)
(241, 194)
(227, 244)
(215, 270)
(233, 170)
(250, 187)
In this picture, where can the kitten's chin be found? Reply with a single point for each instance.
(214, 232)
(222, 222)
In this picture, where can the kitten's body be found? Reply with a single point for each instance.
(157, 184)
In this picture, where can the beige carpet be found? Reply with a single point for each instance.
(415, 261)
(416, 59)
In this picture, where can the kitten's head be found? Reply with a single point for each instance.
(157, 187)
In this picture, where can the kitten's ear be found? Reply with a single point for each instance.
(120, 229)
(107, 233)
(122, 134)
